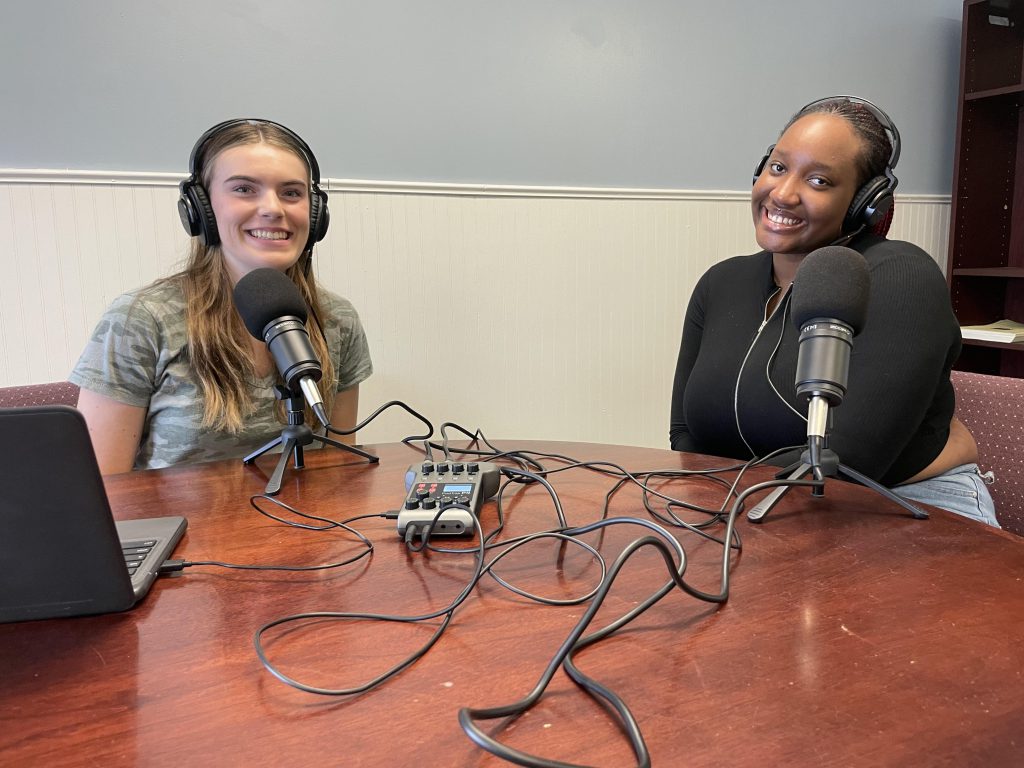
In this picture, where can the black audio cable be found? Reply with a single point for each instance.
(576, 641)
(326, 524)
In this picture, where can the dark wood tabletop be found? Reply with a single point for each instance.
(854, 635)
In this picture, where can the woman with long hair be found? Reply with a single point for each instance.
(170, 374)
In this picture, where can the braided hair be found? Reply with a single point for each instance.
(874, 157)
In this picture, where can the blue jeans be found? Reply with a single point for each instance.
(961, 490)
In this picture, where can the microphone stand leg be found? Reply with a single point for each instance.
(260, 451)
(350, 448)
(853, 474)
(292, 446)
(757, 512)
(274, 484)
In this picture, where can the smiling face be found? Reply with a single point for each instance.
(260, 197)
(801, 197)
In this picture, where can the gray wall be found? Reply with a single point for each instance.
(623, 93)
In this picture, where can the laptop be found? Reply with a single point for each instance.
(61, 551)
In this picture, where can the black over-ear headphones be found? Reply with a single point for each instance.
(874, 199)
(194, 203)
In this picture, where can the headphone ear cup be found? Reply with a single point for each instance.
(762, 164)
(187, 212)
(869, 205)
(194, 207)
(319, 217)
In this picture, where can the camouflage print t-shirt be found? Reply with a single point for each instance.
(138, 355)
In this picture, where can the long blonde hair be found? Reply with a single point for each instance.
(220, 350)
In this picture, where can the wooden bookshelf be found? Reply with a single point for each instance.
(985, 266)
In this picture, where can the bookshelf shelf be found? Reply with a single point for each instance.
(1011, 348)
(1006, 273)
(992, 93)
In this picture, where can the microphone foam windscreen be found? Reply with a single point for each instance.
(265, 295)
(832, 282)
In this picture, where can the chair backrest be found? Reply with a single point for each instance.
(992, 407)
(51, 393)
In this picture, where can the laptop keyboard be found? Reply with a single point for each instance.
(135, 552)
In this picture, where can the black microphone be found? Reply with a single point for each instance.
(829, 307)
(273, 311)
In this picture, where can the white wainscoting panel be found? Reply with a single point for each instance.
(525, 312)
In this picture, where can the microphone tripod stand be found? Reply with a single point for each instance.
(293, 437)
(821, 461)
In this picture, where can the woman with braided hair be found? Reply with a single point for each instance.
(829, 181)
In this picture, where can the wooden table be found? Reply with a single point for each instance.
(854, 635)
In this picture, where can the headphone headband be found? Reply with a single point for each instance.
(883, 119)
(200, 145)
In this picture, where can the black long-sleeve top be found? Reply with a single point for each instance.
(734, 393)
